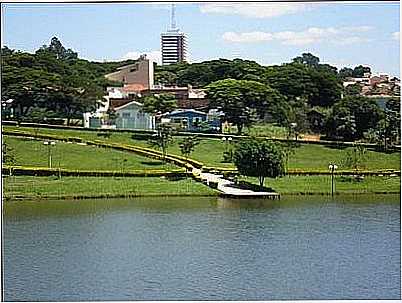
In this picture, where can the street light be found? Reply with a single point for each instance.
(332, 167)
(293, 126)
(49, 151)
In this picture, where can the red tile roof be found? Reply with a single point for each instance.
(134, 88)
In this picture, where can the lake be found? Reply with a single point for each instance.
(203, 249)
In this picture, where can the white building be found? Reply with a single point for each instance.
(131, 116)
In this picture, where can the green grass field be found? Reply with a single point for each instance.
(73, 156)
(210, 151)
(51, 187)
(322, 184)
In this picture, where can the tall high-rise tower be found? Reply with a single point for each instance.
(173, 43)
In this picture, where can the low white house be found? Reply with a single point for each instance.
(131, 116)
(98, 118)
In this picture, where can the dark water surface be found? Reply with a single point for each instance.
(203, 249)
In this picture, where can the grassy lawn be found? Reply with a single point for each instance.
(263, 130)
(210, 151)
(73, 156)
(322, 184)
(317, 157)
(36, 187)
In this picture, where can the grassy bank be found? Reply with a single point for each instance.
(322, 185)
(87, 187)
(209, 151)
(73, 156)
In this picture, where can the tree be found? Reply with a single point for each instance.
(359, 71)
(307, 59)
(51, 81)
(258, 158)
(346, 72)
(163, 138)
(159, 104)
(166, 78)
(58, 50)
(188, 144)
(387, 131)
(353, 90)
(328, 87)
(241, 100)
(352, 116)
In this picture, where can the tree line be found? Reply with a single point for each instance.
(303, 95)
(51, 83)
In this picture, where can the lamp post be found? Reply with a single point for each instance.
(49, 151)
(332, 167)
(224, 140)
(293, 126)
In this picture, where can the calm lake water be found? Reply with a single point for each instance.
(203, 249)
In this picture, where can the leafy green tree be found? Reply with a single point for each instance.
(58, 50)
(359, 71)
(387, 131)
(188, 144)
(291, 80)
(258, 158)
(328, 87)
(307, 59)
(346, 72)
(241, 100)
(166, 78)
(159, 104)
(297, 121)
(163, 138)
(353, 90)
(352, 116)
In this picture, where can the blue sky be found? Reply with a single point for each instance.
(341, 34)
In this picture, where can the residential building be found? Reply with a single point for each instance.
(139, 75)
(192, 120)
(131, 116)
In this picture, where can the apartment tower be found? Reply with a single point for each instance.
(173, 43)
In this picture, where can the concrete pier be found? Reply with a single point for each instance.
(230, 190)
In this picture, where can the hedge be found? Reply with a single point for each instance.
(44, 171)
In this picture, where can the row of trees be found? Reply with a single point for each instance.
(51, 83)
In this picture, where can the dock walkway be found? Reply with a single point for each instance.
(229, 189)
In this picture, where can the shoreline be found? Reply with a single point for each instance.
(145, 195)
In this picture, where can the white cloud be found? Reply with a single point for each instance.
(152, 55)
(247, 37)
(342, 35)
(395, 36)
(254, 10)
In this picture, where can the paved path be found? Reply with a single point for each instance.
(228, 188)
